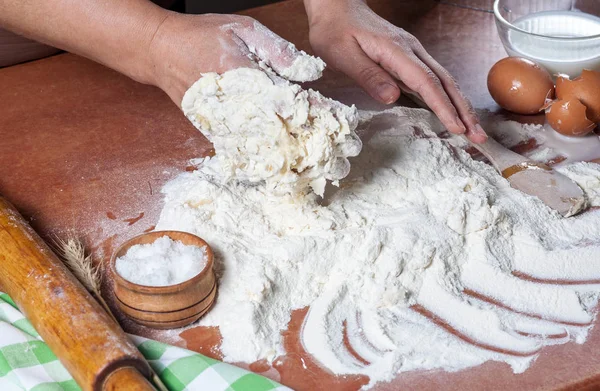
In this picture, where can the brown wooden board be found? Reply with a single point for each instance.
(84, 150)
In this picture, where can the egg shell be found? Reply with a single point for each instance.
(568, 117)
(520, 85)
(586, 88)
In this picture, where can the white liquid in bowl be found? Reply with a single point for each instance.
(558, 56)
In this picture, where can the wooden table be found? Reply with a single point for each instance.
(85, 151)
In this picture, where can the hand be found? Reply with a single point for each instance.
(185, 46)
(379, 56)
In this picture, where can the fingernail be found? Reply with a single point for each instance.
(387, 92)
(480, 131)
(460, 125)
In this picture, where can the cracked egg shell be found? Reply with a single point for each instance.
(520, 85)
(586, 88)
(568, 117)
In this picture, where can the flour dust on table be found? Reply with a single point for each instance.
(422, 258)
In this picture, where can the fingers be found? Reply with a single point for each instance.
(477, 134)
(417, 76)
(431, 82)
(354, 62)
(276, 52)
(465, 110)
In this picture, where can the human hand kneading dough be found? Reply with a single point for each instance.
(171, 50)
(233, 41)
(379, 56)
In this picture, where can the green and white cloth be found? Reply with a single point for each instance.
(26, 363)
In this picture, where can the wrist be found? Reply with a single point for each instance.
(317, 10)
(172, 67)
(146, 65)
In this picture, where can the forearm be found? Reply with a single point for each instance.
(115, 33)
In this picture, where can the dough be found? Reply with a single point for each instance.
(266, 129)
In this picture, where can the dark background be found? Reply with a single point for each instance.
(204, 6)
(222, 6)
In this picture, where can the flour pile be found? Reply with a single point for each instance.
(417, 229)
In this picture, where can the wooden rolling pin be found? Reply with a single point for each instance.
(87, 341)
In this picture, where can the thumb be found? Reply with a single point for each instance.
(279, 54)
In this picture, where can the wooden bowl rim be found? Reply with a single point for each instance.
(168, 288)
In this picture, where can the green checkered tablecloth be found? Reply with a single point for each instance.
(26, 363)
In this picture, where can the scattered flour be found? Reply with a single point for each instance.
(161, 263)
(418, 233)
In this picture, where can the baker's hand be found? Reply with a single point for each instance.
(379, 56)
(185, 46)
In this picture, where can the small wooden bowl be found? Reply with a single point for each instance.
(166, 307)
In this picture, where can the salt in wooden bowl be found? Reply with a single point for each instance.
(171, 306)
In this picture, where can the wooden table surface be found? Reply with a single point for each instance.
(85, 151)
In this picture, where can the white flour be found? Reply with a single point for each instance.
(418, 227)
(161, 263)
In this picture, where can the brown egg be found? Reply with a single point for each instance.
(586, 88)
(568, 117)
(520, 85)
